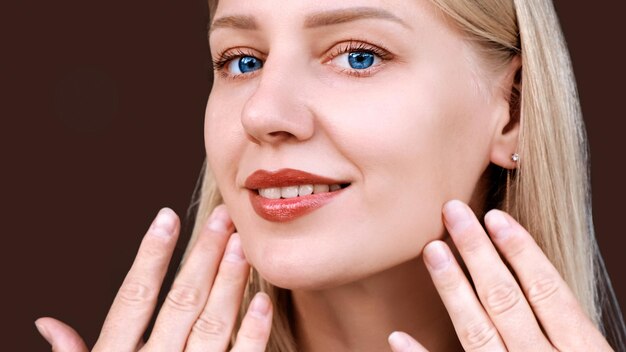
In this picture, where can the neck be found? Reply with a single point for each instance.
(359, 316)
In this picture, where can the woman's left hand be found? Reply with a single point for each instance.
(541, 315)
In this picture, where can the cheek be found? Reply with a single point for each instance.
(225, 144)
(213, 124)
(223, 139)
(424, 141)
(417, 146)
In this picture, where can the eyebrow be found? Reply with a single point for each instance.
(328, 18)
(318, 19)
(237, 22)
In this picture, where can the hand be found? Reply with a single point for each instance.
(504, 316)
(200, 310)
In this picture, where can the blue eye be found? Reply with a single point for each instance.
(360, 60)
(356, 60)
(244, 64)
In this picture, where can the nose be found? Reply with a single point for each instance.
(277, 110)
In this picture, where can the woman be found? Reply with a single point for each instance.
(335, 136)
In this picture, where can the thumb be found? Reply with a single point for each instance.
(60, 336)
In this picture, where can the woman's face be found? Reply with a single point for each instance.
(384, 95)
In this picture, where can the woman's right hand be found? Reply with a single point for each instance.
(200, 310)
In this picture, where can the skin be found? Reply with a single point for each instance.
(372, 261)
(399, 135)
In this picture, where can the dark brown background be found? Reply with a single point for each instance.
(103, 126)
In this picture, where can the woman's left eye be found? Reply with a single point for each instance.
(356, 60)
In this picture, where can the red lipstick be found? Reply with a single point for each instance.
(283, 210)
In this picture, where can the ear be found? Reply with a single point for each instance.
(506, 135)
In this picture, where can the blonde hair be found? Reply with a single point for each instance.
(552, 175)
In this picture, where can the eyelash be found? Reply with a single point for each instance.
(353, 45)
(358, 46)
(225, 57)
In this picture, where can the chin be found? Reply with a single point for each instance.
(295, 271)
(298, 282)
(302, 280)
(311, 268)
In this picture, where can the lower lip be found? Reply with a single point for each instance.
(283, 210)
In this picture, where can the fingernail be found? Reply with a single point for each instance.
(218, 221)
(165, 223)
(399, 341)
(42, 330)
(260, 305)
(234, 252)
(457, 215)
(498, 224)
(436, 255)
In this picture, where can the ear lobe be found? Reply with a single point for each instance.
(503, 148)
(506, 135)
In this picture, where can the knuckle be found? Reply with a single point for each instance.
(210, 325)
(254, 332)
(516, 245)
(135, 293)
(468, 242)
(184, 298)
(478, 334)
(542, 290)
(448, 281)
(231, 273)
(206, 247)
(209, 244)
(502, 298)
(473, 246)
(448, 285)
(254, 329)
(153, 250)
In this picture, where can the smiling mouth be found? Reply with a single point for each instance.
(297, 191)
(293, 206)
(287, 194)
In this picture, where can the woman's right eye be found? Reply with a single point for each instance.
(243, 65)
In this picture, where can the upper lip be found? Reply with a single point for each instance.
(286, 177)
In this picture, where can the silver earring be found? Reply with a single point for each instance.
(515, 157)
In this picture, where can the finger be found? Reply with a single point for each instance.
(475, 330)
(256, 325)
(402, 342)
(60, 336)
(563, 319)
(212, 331)
(191, 287)
(496, 287)
(134, 303)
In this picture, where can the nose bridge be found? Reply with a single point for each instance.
(277, 108)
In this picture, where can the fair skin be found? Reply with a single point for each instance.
(372, 261)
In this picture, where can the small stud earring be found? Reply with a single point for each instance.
(515, 157)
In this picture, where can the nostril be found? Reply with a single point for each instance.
(271, 137)
(280, 135)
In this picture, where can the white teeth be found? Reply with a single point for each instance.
(305, 190)
(289, 192)
(320, 189)
(296, 191)
(270, 193)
